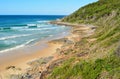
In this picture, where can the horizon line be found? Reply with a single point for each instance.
(34, 15)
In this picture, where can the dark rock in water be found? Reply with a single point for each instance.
(6, 28)
(20, 25)
(32, 26)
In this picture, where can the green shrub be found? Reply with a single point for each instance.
(87, 70)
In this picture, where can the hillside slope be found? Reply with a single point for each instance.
(98, 58)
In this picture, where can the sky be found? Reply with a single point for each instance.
(41, 7)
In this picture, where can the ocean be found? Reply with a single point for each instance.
(17, 31)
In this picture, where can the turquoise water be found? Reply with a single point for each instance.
(19, 31)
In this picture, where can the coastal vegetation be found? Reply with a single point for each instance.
(103, 53)
(93, 49)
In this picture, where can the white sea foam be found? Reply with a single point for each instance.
(30, 41)
(44, 21)
(16, 28)
(30, 29)
(49, 28)
(17, 47)
(63, 26)
(31, 24)
(23, 27)
(10, 49)
(51, 35)
(15, 36)
(7, 42)
(37, 29)
(42, 25)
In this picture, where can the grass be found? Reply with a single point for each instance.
(94, 11)
(105, 64)
(63, 71)
(87, 70)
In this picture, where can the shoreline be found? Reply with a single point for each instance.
(45, 40)
(59, 44)
(21, 60)
(20, 57)
(9, 56)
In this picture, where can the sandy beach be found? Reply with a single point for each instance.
(42, 48)
(43, 41)
(19, 58)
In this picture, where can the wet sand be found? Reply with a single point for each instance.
(23, 55)
(20, 57)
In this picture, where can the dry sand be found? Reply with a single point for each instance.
(19, 58)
